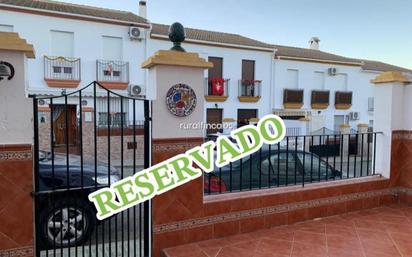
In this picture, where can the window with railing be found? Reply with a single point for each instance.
(216, 89)
(293, 98)
(111, 112)
(61, 68)
(112, 71)
(249, 90)
(343, 100)
(320, 99)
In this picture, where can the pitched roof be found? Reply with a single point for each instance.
(311, 54)
(287, 52)
(381, 66)
(213, 36)
(76, 9)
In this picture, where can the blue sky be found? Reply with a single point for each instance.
(369, 29)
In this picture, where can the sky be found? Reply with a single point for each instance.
(367, 29)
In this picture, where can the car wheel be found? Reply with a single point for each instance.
(67, 223)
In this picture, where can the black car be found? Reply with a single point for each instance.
(269, 167)
(67, 217)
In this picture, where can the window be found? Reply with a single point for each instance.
(371, 104)
(62, 43)
(343, 98)
(320, 97)
(292, 78)
(112, 48)
(6, 28)
(338, 121)
(248, 70)
(115, 119)
(244, 115)
(214, 118)
(319, 79)
(293, 96)
(217, 70)
(114, 116)
(337, 82)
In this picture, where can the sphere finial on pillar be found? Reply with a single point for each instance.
(177, 35)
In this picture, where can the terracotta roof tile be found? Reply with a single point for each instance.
(76, 9)
(381, 66)
(296, 52)
(213, 36)
(198, 34)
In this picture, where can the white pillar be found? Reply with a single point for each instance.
(363, 140)
(345, 131)
(389, 115)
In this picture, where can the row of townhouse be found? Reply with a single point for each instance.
(75, 45)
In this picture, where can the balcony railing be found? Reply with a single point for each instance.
(298, 160)
(343, 100)
(113, 74)
(216, 89)
(249, 90)
(62, 71)
(293, 98)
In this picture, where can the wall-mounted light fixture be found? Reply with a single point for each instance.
(6, 70)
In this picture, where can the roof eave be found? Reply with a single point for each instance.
(8, 7)
(292, 58)
(204, 42)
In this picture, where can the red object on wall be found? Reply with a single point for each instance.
(218, 86)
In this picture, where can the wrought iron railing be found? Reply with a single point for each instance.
(298, 160)
(216, 87)
(112, 71)
(65, 174)
(62, 68)
(251, 88)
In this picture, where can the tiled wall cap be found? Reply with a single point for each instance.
(344, 126)
(229, 120)
(363, 125)
(391, 77)
(176, 58)
(11, 41)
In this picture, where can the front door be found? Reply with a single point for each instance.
(214, 117)
(60, 120)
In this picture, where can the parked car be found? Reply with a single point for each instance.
(274, 167)
(66, 215)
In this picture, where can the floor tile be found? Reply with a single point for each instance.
(378, 232)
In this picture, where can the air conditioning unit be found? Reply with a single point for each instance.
(136, 33)
(137, 90)
(332, 71)
(354, 115)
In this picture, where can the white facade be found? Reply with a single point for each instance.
(91, 41)
(88, 44)
(314, 76)
(232, 69)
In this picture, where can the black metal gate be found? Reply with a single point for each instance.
(83, 141)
